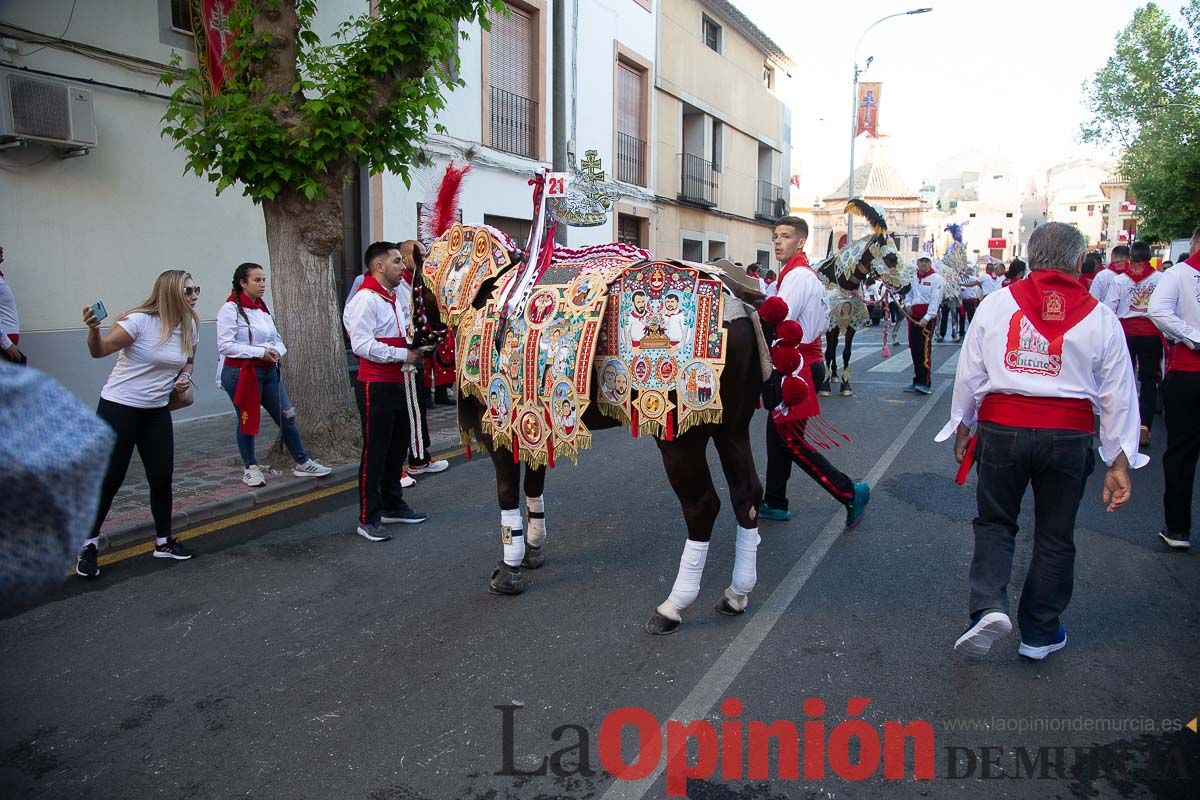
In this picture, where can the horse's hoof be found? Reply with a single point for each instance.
(506, 580)
(660, 625)
(728, 609)
(533, 557)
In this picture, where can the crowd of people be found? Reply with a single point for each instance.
(1042, 353)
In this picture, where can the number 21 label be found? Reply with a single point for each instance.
(556, 184)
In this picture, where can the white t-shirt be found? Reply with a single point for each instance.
(807, 301)
(146, 370)
(10, 322)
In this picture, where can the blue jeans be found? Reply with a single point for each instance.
(275, 401)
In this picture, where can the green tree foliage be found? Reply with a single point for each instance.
(293, 110)
(294, 117)
(1145, 103)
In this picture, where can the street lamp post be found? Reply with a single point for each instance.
(854, 109)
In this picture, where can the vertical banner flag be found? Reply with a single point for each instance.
(868, 109)
(214, 34)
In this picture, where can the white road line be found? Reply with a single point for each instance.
(716, 681)
(899, 362)
(950, 365)
(860, 353)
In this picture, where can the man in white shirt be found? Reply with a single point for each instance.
(989, 281)
(922, 302)
(1041, 358)
(10, 321)
(1128, 294)
(1117, 263)
(1175, 310)
(376, 324)
(807, 303)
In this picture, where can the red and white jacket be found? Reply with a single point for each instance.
(1175, 310)
(377, 325)
(1129, 296)
(1042, 353)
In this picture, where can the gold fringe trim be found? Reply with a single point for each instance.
(694, 418)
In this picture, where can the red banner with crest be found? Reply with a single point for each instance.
(214, 35)
(867, 110)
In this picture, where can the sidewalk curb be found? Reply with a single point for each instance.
(139, 532)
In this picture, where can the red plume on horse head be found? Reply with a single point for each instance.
(444, 209)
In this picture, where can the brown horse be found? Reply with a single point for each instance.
(686, 464)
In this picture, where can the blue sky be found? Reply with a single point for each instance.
(1003, 76)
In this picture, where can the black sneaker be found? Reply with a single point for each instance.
(404, 515)
(373, 532)
(172, 549)
(86, 566)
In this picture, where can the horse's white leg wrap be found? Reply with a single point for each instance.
(687, 582)
(537, 520)
(745, 571)
(512, 535)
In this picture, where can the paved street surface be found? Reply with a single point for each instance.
(294, 660)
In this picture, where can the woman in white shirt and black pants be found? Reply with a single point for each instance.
(252, 348)
(157, 346)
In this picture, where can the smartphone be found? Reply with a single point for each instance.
(99, 311)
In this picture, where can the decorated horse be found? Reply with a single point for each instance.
(556, 343)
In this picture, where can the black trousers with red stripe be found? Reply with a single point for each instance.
(384, 414)
(920, 344)
(780, 458)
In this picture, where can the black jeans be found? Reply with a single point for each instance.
(384, 414)
(1146, 352)
(148, 429)
(1181, 412)
(1057, 463)
(780, 458)
(920, 344)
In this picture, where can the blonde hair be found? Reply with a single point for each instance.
(166, 301)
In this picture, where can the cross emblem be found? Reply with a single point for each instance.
(591, 166)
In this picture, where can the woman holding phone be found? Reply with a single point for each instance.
(252, 348)
(156, 343)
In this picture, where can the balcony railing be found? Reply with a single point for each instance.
(631, 159)
(770, 201)
(698, 180)
(513, 123)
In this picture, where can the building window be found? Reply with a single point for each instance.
(712, 34)
(768, 76)
(693, 250)
(716, 250)
(997, 233)
(972, 215)
(718, 134)
(629, 230)
(181, 15)
(516, 228)
(513, 113)
(631, 124)
(1072, 208)
(763, 258)
(1009, 215)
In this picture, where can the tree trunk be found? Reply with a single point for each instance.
(301, 236)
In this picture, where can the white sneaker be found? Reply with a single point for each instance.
(979, 638)
(1039, 653)
(253, 476)
(407, 482)
(312, 468)
(441, 465)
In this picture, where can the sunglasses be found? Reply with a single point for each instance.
(190, 290)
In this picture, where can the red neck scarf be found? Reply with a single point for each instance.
(1119, 266)
(370, 284)
(1138, 270)
(1194, 261)
(925, 274)
(1052, 301)
(243, 300)
(796, 261)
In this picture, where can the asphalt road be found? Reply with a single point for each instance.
(292, 659)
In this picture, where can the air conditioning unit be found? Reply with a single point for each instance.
(47, 111)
